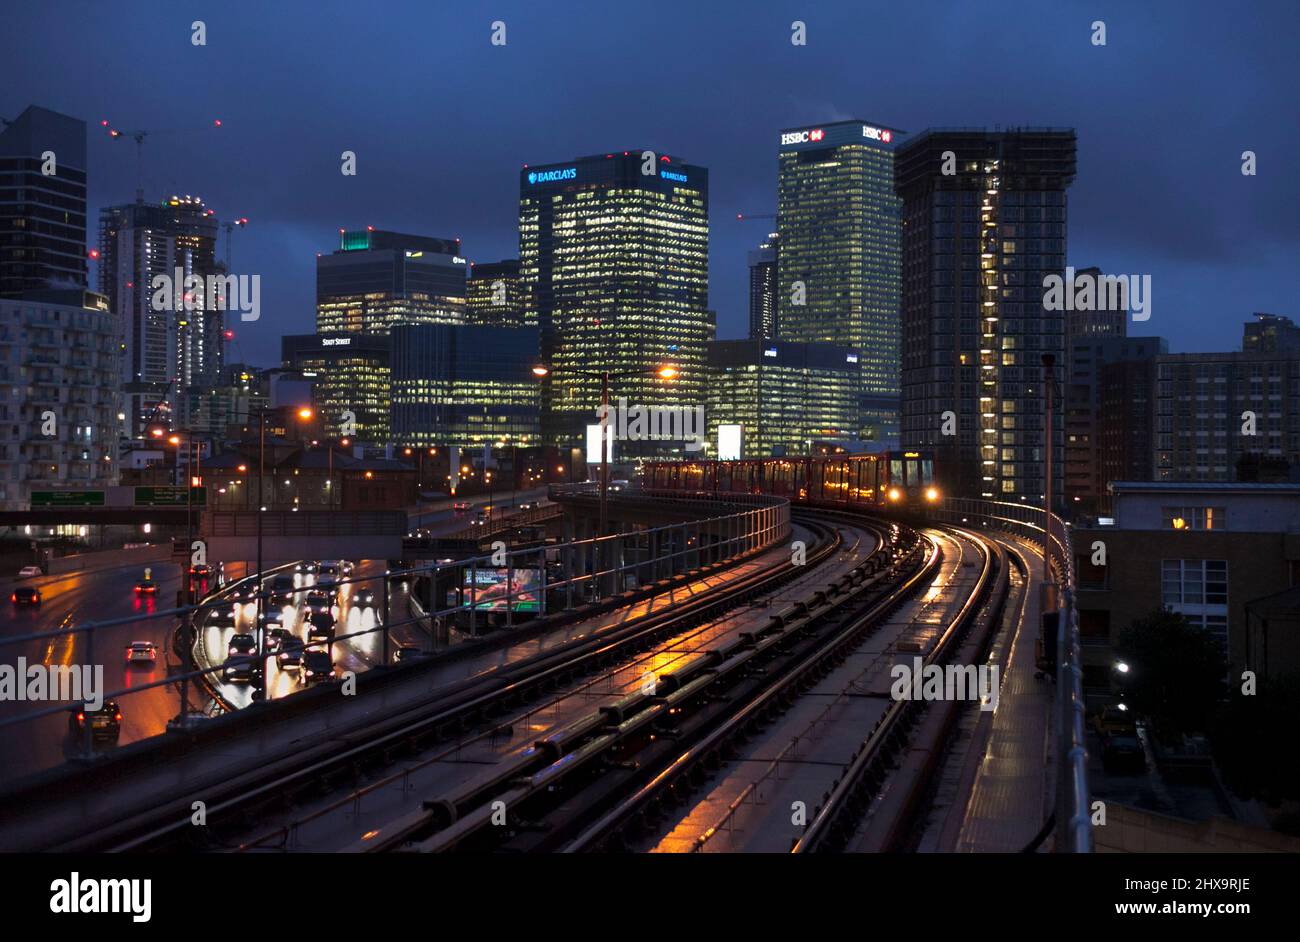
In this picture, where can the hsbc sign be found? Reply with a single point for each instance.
(802, 137)
(876, 134)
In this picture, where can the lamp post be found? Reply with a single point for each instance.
(663, 372)
(187, 572)
(304, 414)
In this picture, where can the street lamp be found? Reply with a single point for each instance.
(666, 371)
(304, 414)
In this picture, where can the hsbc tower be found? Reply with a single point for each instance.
(840, 266)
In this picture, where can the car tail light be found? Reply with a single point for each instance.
(13, 597)
(81, 717)
(118, 717)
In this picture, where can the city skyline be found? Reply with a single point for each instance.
(1174, 204)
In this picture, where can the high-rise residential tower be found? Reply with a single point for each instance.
(978, 244)
(166, 348)
(762, 290)
(42, 203)
(614, 261)
(838, 266)
(376, 279)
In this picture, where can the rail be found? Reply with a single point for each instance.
(1073, 814)
(513, 590)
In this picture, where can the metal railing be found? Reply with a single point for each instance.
(568, 575)
(1073, 814)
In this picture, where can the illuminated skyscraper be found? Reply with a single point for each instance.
(166, 348)
(350, 379)
(377, 279)
(785, 395)
(838, 268)
(614, 262)
(762, 290)
(493, 296)
(977, 246)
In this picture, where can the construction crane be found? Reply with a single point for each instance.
(139, 138)
(229, 226)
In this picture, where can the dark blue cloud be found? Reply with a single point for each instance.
(441, 120)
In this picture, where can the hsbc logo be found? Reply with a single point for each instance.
(802, 137)
(877, 134)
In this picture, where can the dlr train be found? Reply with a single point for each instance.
(881, 480)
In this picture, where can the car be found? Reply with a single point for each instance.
(146, 586)
(329, 569)
(276, 638)
(289, 657)
(347, 567)
(240, 655)
(526, 506)
(1123, 752)
(142, 652)
(308, 567)
(329, 585)
(408, 652)
(1116, 718)
(105, 723)
(319, 601)
(460, 506)
(282, 590)
(224, 616)
(28, 571)
(320, 627)
(316, 667)
(271, 619)
(25, 595)
(363, 598)
(201, 570)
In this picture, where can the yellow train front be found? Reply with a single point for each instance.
(882, 480)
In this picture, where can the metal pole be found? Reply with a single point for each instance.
(257, 580)
(604, 451)
(187, 580)
(1048, 379)
(387, 659)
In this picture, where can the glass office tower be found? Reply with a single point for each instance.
(838, 267)
(614, 265)
(377, 279)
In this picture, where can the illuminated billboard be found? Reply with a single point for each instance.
(593, 443)
(490, 590)
(730, 442)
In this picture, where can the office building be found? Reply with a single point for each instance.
(58, 419)
(466, 385)
(1083, 394)
(1126, 424)
(1216, 412)
(839, 266)
(763, 323)
(377, 279)
(494, 297)
(349, 373)
(42, 215)
(977, 246)
(614, 263)
(1270, 333)
(785, 395)
(167, 348)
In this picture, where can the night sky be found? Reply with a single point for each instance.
(441, 121)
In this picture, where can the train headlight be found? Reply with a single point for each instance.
(932, 494)
(895, 494)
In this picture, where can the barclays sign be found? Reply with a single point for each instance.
(551, 176)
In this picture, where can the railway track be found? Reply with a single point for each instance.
(605, 764)
(474, 705)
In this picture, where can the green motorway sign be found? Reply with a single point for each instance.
(67, 499)
(168, 496)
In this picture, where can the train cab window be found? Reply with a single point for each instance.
(896, 471)
(927, 471)
(913, 473)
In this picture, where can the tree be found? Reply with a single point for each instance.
(1252, 742)
(1176, 672)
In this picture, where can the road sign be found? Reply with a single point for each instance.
(67, 499)
(168, 496)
